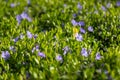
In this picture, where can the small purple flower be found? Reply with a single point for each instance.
(79, 37)
(18, 18)
(84, 52)
(37, 47)
(74, 15)
(12, 5)
(29, 19)
(65, 5)
(103, 8)
(41, 54)
(81, 23)
(29, 34)
(33, 49)
(118, 3)
(12, 48)
(108, 5)
(66, 49)
(82, 30)
(35, 36)
(16, 39)
(74, 23)
(5, 55)
(98, 56)
(24, 15)
(106, 72)
(28, 2)
(90, 28)
(79, 6)
(59, 58)
(21, 36)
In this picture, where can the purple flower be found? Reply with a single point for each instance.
(74, 23)
(37, 47)
(82, 30)
(16, 39)
(24, 15)
(98, 56)
(29, 19)
(66, 49)
(108, 5)
(18, 18)
(118, 3)
(59, 58)
(12, 5)
(5, 55)
(65, 5)
(79, 37)
(90, 28)
(12, 48)
(103, 8)
(74, 15)
(21, 36)
(81, 23)
(106, 72)
(28, 2)
(29, 34)
(41, 54)
(79, 6)
(35, 36)
(33, 49)
(84, 52)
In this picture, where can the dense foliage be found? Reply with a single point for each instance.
(59, 39)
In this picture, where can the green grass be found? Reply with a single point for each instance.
(51, 22)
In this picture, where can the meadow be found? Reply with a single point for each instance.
(59, 40)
